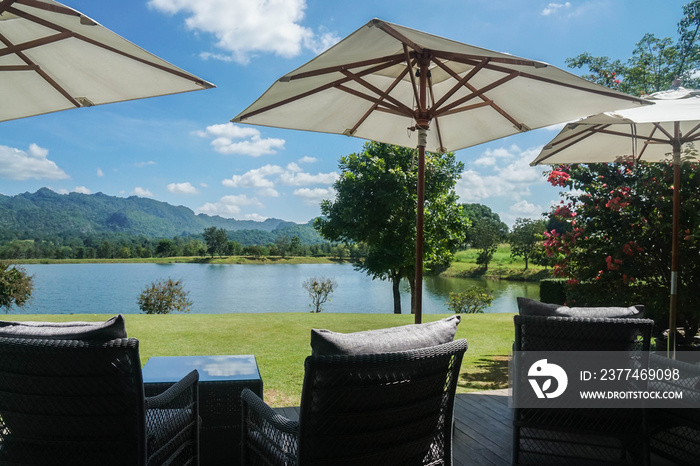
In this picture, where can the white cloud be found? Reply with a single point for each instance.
(472, 187)
(293, 167)
(255, 217)
(145, 164)
(268, 192)
(229, 130)
(81, 190)
(307, 159)
(16, 164)
(519, 171)
(182, 188)
(553, 8)
(314, 196)
(526, 209)
(322, 40)
(100, 172)
(262, 180)
(521, 209)
(256, 178)
(511, 181)
(490, 157)
(243, 28)
(141, 192)
(228, 206)
(253, 144)
(302, 179)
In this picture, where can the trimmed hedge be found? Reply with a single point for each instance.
(553, 290)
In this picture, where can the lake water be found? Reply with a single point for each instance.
(228, 288)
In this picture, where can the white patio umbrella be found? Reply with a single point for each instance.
(384, 82)
(654, 133)
(55, 58)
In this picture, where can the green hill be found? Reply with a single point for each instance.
(46, 214)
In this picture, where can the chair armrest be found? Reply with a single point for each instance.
(172, 423)
(266, 434)
(166, 399)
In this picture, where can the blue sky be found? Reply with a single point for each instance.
(181, 149)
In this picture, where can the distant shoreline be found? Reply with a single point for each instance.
(456, 270)
(188, 260)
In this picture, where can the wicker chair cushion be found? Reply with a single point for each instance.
(403, 338)
(110, 330)
(531, 307)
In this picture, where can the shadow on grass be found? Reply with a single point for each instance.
(487, 373)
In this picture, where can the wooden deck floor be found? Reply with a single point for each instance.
(483, 433)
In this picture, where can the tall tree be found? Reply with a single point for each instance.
(612, 236)
(480, 212)
(217, 241)
(655, 62)
(526, 238)
(485, 231)
(375, 204)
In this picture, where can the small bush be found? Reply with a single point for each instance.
(319, 290)
(472, 301)
(16, 286)
(164, 296)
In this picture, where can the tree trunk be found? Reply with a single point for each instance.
(395, 282)
(412, 283)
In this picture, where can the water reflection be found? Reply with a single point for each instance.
(230, 288)
(227, 366)
(505, 292)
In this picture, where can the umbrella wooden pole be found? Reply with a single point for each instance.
(422, 124)
(672, 324)
(420, 199)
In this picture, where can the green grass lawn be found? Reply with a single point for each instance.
(280, 342)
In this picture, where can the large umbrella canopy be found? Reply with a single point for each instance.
(55, 58)
(385, 81)
(654, 133)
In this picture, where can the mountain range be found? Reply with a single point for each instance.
(46, 214)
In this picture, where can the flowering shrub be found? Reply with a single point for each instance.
(610, 237)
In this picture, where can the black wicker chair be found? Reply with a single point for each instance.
(576, 436)
(71, 402)
(674, 431)
(369, 409)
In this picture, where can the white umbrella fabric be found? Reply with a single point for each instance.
(384, 82)
(54, 58)
(654, 133)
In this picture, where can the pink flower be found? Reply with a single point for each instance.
(558, 178)
(613, 264)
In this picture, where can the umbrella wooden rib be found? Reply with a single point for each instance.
(55, 58)
(65, 33)
(377, 104)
